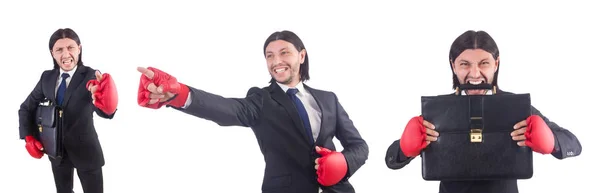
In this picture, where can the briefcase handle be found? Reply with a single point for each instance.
(462, 87)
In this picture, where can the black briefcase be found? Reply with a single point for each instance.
(474, 141)
(50, 123)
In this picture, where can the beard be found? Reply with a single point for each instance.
(286, 81)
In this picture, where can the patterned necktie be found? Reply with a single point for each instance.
(62, 88)
(301, 111)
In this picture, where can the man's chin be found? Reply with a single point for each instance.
(67, 67)
(282, 80)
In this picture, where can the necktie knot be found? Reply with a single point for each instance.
(65, 75)
(292, 91)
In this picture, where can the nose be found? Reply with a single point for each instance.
(65, 54)
(475, 71)
(276, 59)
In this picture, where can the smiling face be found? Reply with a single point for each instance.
(475, 66)
(66, 53)
(283, 62)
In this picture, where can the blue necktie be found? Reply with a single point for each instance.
(62, 88)
(301, 111)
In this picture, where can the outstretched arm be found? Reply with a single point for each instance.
(224, 111)
(158, 88)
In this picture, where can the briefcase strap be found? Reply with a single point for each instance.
(476, 120)
(458, 90)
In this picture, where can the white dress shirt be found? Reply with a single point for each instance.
(311, 106)
(68, 80)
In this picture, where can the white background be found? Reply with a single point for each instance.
(379, 58)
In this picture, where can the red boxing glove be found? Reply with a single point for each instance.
(538, 135)
(413, 138)
(105, 94)
(332, 167)
(34, 147)
(168, 83)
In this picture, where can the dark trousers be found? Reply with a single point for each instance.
(91, 180)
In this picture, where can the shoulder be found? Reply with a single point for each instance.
(320, 92)
(258, 91)
(87, 69)
(46, 73)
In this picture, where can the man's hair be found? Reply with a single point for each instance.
(292, 38)
(64, 33)
(474, 40)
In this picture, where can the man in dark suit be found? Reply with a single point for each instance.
(294, 123)
(80, 91)
(474, 59)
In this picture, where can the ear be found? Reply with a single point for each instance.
(302, 56)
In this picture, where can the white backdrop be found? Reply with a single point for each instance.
(379, 58)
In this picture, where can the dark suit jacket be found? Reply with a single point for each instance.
(566, 145)
(79, 135)
(288, 153)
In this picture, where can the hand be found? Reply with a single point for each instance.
(331, 167)
(93, 85)
(534, 133)
(417, 135)
(168, 91)
(34, 147)
(104, 92)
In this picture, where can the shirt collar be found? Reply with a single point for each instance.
(70, 72)
(299, 86)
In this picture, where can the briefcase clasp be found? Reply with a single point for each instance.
(476, 136)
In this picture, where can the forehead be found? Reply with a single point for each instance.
(474, 55)
(277, 45)
(64, 42)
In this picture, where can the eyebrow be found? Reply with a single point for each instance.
(463, 60)
(269, 52)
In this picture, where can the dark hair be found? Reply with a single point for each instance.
(474, 40)
(60, 34)
(292, 38)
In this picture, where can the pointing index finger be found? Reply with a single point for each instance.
(145, 71)
(98, 75)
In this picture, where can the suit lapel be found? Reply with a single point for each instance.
(50, 86)
(78, 78)
(280, 97)
(319, 98)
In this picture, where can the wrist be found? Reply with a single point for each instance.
(180, 97)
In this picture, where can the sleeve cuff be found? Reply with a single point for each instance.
(188, 101)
